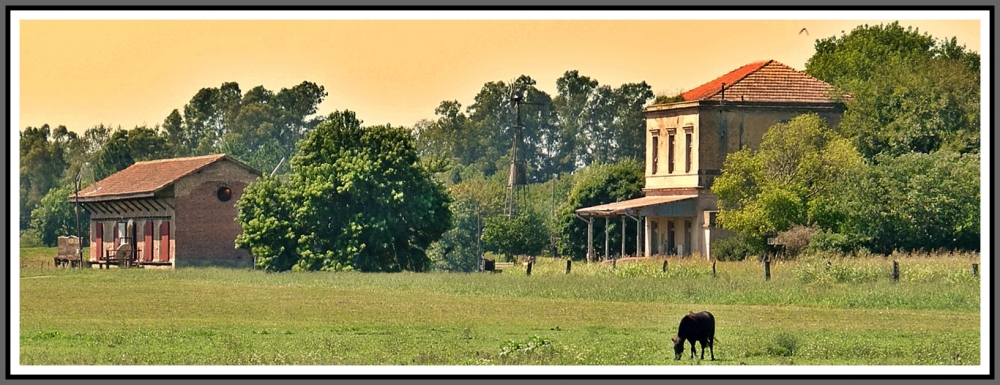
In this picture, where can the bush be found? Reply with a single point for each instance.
(827, 241)
(31, 238)
(733, 249)
(796, 239)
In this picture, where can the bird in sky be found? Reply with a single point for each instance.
(804, 30)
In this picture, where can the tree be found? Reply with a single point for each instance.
(357, 198)
(42, 165)
(595, 185)
(524, 234)
(913, 202)
(910, 91)
(791, 180)
(475, 199)
(55, 216)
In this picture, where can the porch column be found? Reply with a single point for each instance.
(607, 221)
(623, 236)
(590, 239)
(645, 227)
(638, 237)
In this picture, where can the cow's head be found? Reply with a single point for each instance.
(678, 348)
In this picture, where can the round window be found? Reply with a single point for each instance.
(224, 194)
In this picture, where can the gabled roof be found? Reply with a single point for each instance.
(765, 81)
(144, 179)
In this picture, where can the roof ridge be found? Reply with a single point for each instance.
(165, 160)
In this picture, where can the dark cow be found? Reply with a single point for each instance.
(695, 327)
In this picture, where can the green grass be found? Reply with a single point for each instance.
(594, 316)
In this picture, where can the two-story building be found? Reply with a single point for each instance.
(687, 143)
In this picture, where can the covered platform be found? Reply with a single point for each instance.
(648, 212)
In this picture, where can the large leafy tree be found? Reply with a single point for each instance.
(911, 92)
(791, 180)
(357, 198)
(523, 234)
(913, 202)
(55, 216)
(595, 185)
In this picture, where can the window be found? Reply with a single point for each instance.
(670, 154)
(687, 138)
(656, 153)
(224, 194)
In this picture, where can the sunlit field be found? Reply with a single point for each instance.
(850, 313)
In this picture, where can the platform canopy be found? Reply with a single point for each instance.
(649, 205)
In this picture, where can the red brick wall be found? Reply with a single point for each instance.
(206, 228)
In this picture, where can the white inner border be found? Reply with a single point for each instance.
(985, 257)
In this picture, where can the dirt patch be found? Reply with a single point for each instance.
(39, 276)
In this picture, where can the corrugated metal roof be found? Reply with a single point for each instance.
(146, 178)
(766, 81)
(619, 208)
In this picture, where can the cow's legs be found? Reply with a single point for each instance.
(692, 349)
(702, 342)
(711, 348)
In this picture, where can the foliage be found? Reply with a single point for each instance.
(796, 239)
(42, 165)
(55, 216)
(791, 180)
(910, 91)
(584, 123)
(599, 184)
(826, 241)
(735, 249)
(30, 238)
(524, 234)
(913, 202)
(474, 200)
(665, 98)
(357, 198)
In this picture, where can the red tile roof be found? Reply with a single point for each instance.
(146, 178)
(765, 81)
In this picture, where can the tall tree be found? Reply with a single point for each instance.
(42, 165)
(911, 92)
(358, 198)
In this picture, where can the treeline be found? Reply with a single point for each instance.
(259, 127)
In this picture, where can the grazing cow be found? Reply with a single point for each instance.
(695, 327)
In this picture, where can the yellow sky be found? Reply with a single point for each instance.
(80, 73)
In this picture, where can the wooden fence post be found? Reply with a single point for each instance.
(664, 266)
(975, 269)
(529, 268)
(569, 264)
(713, 269)
(614, 261)
(895, 271)
(767, 269)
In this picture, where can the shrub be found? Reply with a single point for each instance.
(31, 238)
(733, 249)
(827, 241)
(796, 239)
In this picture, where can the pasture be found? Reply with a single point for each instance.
(849, 314)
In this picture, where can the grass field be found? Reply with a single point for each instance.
(850, 314)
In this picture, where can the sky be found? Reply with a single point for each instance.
(121, 72)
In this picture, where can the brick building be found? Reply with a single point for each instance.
(169, 213)
(687, 143)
